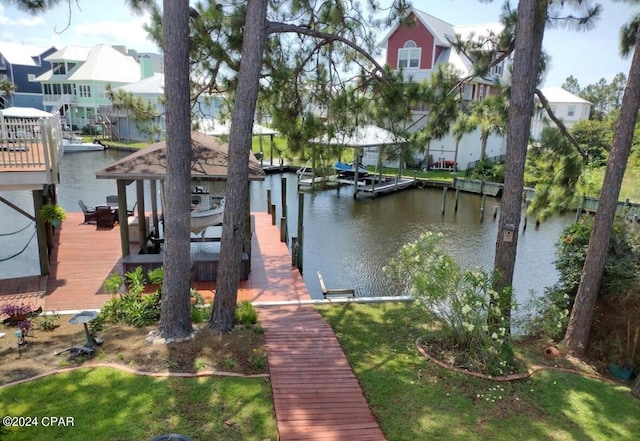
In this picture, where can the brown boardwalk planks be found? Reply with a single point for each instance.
(315, 393)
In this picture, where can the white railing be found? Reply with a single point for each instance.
(28, 143)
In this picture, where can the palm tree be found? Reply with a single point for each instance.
(7, 88)
(490, 115)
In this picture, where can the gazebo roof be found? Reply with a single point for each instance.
(362, 136)
(219, 128)
(210, 162)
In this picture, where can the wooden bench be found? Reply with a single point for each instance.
(338, 292)
(205, 266)
(148, 262)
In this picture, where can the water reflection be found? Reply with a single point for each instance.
(348, 241)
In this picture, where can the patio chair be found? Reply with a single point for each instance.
(112, 201)
(131, 210)
(104, 217)
(90, 214)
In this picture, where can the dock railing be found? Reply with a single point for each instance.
(30, 143)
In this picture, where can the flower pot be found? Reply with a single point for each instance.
(621, 372)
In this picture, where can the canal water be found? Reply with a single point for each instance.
(349, 241)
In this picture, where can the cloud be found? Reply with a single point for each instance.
(30, 21)
(131, 34)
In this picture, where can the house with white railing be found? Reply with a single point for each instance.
(76, 85)
(30, 155)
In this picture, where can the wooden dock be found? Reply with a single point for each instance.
(315, 393)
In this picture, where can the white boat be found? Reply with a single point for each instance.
(206, 210)
(72, 143)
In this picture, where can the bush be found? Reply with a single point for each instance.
(462, 302)
(550, 314)
(246, 314)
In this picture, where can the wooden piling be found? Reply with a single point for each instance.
(283, 195)
(283, 229)
(444, 199)
(300, 242)
(484, 198)
(495, 211)
(269, 201)
(273, 214)
(455, 207)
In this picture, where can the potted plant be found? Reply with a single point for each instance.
(52, 213)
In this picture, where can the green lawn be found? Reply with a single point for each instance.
(107, 404)
(415, 400)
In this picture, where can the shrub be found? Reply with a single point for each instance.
(47, 322)
(550, 314)
(462, 302)
(246, 313)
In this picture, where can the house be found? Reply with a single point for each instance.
(151, 91)
(76, 84)
(568, 107)
(21, 64)
(416, 46)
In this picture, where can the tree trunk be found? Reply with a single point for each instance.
(238, 169)
(532, 15)
(577, 336)
(175, 317)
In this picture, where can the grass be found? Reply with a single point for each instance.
(107, 404)
(413, 399)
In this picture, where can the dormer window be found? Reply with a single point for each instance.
(409, 56)
(58, 68)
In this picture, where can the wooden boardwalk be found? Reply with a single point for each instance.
(315, 393)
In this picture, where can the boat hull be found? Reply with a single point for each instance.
(84, 147)
(201, 220)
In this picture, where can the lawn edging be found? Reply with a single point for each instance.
(131, 370)
(513, 377)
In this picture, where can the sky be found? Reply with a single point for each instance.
(588, 56)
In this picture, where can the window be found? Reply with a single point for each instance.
(85, 90)
(31, 77)
(497, 69)
(59, 68)
(409, 56)
(571, 111)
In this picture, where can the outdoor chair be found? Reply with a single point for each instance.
(90, 214)
(104, 217)
(131, 210)
(112, 201)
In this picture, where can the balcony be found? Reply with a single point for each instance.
(58, 100)
(30, 152)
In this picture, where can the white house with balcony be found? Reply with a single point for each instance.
(569, 108)
(75, 86)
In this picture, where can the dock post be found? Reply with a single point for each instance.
(269, 201)
(444, 199)
(283, 195)
(294, 251)
(495, 211)
(273, 214)
(283, 219)
(283, 229)
(455, 207)
(484, 198)
(300, 230)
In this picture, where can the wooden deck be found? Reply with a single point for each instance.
(316, 395)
